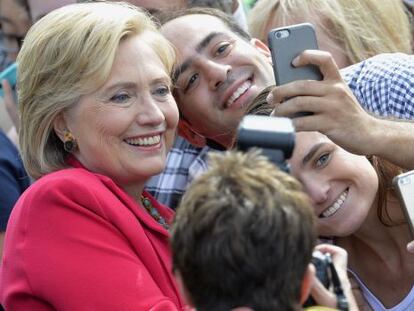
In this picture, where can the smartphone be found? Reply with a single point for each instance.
(10, 74)
(285, 44)
(404, 184)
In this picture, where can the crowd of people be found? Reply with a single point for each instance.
(113, 203)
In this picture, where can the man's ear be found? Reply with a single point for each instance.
(185, 130)
(60, 126)
(262, 47)
(307, 283)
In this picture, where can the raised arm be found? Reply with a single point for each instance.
(338, 114)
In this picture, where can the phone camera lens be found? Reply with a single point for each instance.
(281, 34)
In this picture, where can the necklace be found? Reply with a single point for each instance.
(154, 212)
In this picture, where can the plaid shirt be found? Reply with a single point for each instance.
(383, 85)
(184, 163)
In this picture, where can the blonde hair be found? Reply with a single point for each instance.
(67, 54)
(363, 28)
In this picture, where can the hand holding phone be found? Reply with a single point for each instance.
(285, 44)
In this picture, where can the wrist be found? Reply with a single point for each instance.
(373, 140)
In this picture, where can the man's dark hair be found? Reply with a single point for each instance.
(243, 235)
(222, 5)
(165, 17)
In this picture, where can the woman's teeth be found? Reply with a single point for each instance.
(336, 206)
(144, 141)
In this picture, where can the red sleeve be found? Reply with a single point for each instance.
(74, 256)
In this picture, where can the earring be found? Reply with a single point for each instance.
(69, 142)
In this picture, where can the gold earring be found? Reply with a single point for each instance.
(69, 142)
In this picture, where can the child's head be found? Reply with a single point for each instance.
(243, 236)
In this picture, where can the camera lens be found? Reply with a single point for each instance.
(282, 33)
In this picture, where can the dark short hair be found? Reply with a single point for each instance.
(165, 16)
(243, 235)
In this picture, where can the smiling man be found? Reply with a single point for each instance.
(220, 69)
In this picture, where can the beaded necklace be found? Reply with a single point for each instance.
(154, 212)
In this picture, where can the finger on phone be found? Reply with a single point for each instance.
(322, 59)
(299, 88)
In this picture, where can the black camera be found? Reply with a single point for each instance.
(321, 262)
(326, 273)
(274, 136)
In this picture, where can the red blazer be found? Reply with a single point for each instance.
(77, 241)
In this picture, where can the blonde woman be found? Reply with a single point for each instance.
(98, 119)
(351, 30)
